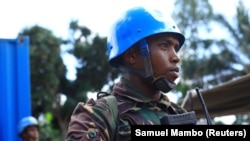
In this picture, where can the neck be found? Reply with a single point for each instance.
(145, 86)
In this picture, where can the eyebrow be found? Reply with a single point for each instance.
(170, 40)
(164, 38)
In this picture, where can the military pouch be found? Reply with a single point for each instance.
(188, 118)
(124, 128)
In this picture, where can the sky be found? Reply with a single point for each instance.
(97, 15)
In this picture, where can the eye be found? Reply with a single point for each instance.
(164, 44)
(176, 48)
(170, 43)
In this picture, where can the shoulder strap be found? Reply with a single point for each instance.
(112, 104)
(111, 101)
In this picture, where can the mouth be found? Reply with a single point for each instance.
(174, 73)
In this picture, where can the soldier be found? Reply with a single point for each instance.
(28, 129)
(143, 43)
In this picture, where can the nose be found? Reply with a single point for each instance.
(174, 57)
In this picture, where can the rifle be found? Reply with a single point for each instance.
(188, 118)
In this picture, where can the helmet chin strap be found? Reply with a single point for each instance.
(161, 82)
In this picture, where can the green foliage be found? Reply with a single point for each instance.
(208, 61)
(46, 70)
(47, 130)
(46, 67)
(94, 71)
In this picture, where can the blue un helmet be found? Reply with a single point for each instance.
(134, 25)
(25, 122)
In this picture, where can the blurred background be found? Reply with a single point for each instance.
(68, 63)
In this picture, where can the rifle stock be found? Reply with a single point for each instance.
(188, 118)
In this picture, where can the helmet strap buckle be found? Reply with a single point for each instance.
(163, 84)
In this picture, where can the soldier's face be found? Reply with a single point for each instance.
(164, 58)
(31, 133)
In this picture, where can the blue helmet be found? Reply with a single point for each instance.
(134, 25)
(25, 122)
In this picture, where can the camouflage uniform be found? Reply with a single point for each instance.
(94, 121)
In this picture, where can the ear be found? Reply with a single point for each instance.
(130, 56)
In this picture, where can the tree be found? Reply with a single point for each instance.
(240, 33)
(208, 61)
(93, 71)
(48, 75)
(46, 70)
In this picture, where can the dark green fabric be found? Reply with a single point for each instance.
(111, 101)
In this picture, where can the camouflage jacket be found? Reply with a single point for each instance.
(96, 121)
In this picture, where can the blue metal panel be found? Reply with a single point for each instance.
(15, 98)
